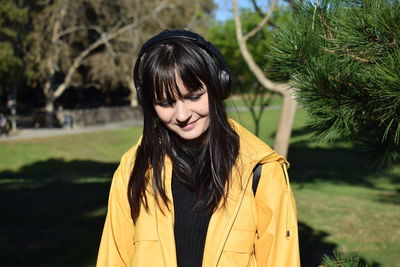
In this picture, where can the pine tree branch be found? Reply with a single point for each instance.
(350, 55)
(293, 4)
(325, 25)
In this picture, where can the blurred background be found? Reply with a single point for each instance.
(317, 80)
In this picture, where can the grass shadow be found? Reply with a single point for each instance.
(299, 132)
(313, 247)
(392, 198)
(53, 212)
(340, 165)
(56, 170)
(334, 164)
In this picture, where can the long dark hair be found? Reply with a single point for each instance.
(219, 149)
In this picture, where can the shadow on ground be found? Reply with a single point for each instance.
(313, 247)
(342, 165)
(53, 213)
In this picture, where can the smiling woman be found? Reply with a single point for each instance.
(182, 196)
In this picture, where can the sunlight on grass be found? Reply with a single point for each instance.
(354, 219)
(91, 180)
(96, 213)
(105, 146)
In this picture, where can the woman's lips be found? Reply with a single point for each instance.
(188, 126)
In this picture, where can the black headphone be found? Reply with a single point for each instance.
(224, 74)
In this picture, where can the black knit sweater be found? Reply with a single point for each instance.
(191, 224)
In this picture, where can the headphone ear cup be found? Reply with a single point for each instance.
(225, 82)
(137, 82)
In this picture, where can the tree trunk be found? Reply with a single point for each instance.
(133, 97)
(49, 109)
(284, 131)
(289, 103)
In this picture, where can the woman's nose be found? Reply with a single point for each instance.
(182, 111)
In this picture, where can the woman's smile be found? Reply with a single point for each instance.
(188, 126)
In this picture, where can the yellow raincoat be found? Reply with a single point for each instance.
(248, 231)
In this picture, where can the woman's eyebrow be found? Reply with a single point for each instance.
(197, 92)
(164, 99)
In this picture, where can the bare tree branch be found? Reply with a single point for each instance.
(289, 102)
(101, 41)
(263, 21)
(262, 79)
(51, 62)
(257, 8)
(87, 85)
(94, 28)
(74, 29)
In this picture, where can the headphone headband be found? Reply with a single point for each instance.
(224, 74)
(209, 47)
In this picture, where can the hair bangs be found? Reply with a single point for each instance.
(166, 81)
(164, 85)
(189, 73)
(166, 66)
(158, 76)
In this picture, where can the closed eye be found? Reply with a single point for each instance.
(194, 97)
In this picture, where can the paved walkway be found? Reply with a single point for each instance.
(23, 134)
(32, 133)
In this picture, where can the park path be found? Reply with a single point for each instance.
(33, 133)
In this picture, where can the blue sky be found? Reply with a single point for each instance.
(224, 10)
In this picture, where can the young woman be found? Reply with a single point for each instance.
(182, 196)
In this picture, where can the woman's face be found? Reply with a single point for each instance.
(188, 116)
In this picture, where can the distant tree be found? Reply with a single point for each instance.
(94, 41)
(120, 53)
(344, 57)
(13, 16)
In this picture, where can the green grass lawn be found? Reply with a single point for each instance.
(240, 101)
(54, 195)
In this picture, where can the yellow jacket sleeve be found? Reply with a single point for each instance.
(277, 241)
(116, 244)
